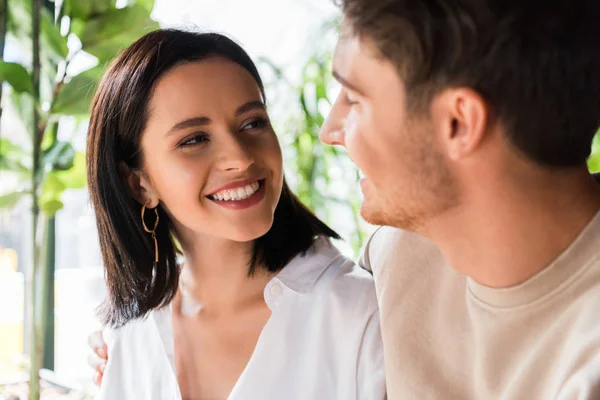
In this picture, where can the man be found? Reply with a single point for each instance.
(472, 122)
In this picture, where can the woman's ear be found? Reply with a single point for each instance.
(140, 186)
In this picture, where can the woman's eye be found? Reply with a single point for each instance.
(194, 140)
(258, 123)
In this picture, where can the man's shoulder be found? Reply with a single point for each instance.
(580, 350)
(390, 247)
(584, 383)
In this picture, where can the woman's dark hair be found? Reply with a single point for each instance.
(118, 116)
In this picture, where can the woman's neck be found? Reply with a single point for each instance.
(215, 275)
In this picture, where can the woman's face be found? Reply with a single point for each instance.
(210, 155)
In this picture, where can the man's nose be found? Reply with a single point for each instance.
(332, 131)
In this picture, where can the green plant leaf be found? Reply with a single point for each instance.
(113, 23)
(51, 38)
(51, 206)
(56, 182)
(77, 26)
(9, 149)
(7, 164)
(596, 143)
(48, 73)
(52, 185)
(19, 24)
(19, 18)
(13, 157)
(23, 104)
(59, 157)
(52, 190)
(109, 33)
(17, 76)
(85, 9)
(9, 200)
(75, 177)
(147, 4)
(593, 162)
(75, 96)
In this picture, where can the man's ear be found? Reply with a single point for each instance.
(462, 118)
(140, 186)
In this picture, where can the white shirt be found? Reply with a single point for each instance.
(322, 341)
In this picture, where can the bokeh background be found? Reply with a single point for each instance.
(50, 265)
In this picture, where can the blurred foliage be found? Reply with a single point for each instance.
(322, 176)
(42, 93)
(594, 160)
(102, 30)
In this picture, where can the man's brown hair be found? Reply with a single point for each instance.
(535, 63)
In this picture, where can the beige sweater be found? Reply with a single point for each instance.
(447, 337)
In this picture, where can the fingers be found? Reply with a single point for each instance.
(101, 352)
(97, 363)
(98, 366)
(98, 357)
(97, 379)
(96, 343)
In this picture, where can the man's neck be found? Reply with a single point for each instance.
(507, 233)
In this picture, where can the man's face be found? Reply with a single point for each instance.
(406, 179)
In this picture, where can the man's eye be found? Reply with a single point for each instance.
(349, 101)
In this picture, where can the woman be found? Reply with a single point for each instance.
(181, 155)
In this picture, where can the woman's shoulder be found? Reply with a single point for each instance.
(138, 332)
(346, 281)
(139, 360)
(326, 273)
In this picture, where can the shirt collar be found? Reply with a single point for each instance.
(300, 274)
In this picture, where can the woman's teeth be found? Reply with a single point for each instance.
(240, 193)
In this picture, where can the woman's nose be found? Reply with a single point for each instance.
(234, 156)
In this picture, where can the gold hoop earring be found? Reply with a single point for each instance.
(153, 230)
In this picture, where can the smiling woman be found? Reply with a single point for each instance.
(179, 125)
(184, 163)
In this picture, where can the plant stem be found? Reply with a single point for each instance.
(46, 303)
(36, 345)
(3, 29)
(46, 308)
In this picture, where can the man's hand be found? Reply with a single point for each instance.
(99, 355)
